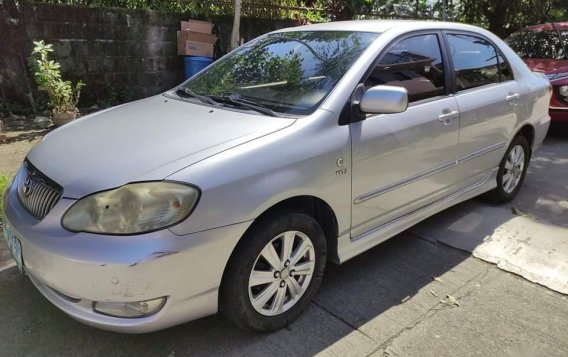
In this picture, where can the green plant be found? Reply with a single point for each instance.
(63, 96)
(314, 17)
(4, 180)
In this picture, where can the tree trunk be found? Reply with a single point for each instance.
(345, 13)
(499, 16)
(235, 34)
(416, 8)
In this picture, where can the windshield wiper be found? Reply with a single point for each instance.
(245, 103)
(183, 91)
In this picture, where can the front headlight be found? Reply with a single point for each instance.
(132, 209)
(563, 91)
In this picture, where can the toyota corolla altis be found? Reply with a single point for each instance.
(232, 191)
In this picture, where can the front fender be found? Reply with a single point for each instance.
(241, 183)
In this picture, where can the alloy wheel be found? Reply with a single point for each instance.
(281, 273)
(514, 167)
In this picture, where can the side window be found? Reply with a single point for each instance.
(414, 63)
(504, 69)
(475, 61)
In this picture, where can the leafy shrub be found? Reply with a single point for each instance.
(62, 95)
(4, 180)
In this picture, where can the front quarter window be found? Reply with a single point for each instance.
(290, 72)
(414, 63)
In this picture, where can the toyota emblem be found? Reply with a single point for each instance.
(27, 186)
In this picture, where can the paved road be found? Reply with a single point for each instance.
(391, 301)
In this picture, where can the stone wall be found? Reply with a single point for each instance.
(120, 54)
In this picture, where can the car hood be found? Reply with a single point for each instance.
(145, 140)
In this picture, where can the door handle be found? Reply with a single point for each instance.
(513, 98)
(448, 116)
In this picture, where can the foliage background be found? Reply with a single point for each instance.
(499, 16)
(123, 52)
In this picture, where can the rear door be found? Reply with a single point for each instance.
(487, 96)
(404, 161)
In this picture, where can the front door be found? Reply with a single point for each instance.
(404, 161)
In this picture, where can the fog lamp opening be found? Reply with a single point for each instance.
(130, 309)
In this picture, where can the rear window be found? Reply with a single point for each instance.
(538, 44)
(476, 62)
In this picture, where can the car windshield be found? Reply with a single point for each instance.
(538, 44)
(287, 73)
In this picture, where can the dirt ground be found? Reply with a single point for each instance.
(18, 136)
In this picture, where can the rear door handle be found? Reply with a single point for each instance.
(448, 116)
(513, 98)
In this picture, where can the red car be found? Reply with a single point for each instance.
(543, 50)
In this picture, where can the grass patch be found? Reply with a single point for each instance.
(4, 180)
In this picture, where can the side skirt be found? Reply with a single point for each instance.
(350, 247)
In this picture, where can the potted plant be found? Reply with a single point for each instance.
(63, 96)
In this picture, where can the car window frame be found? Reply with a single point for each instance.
(443, 53)
(445, 35)
(502, 54)
(351, 114)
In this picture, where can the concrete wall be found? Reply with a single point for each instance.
(120, 54)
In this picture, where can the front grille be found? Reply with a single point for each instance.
(37, 193)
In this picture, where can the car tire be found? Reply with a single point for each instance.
(252, 262)
(512, 171)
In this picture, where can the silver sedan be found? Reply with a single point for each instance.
(232, 191)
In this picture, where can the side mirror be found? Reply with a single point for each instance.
(384, 100)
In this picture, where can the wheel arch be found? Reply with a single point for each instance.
(320, 210)
(528, 131)
(232, 301)
(313, 206)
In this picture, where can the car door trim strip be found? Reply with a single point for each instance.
(406, 181)
(478, 153)
(419, 210)
(430, 172)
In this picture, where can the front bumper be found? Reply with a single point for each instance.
(74, 270)
(559, 115)
(558, 107)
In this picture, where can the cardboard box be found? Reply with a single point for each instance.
(198, 36)
(190, 48)
(195, 44)
(196, 26)
(195, 38)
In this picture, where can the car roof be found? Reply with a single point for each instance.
(563, 26)
(380, 26)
